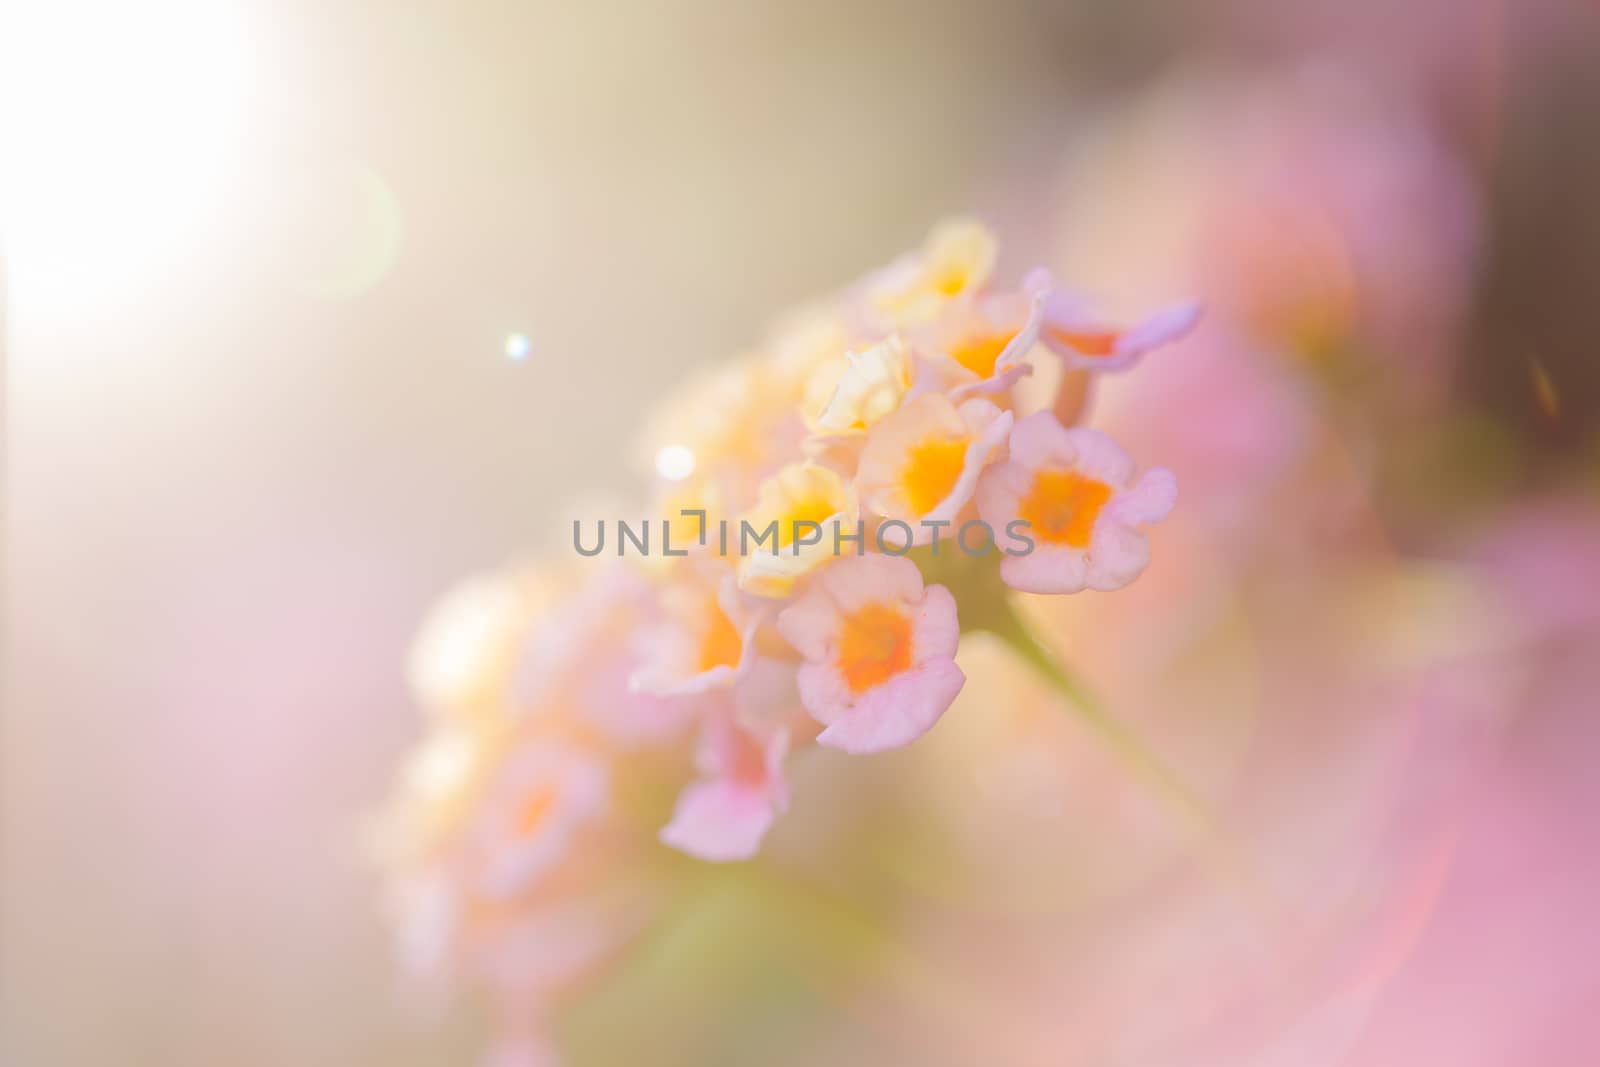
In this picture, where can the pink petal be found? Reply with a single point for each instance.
(810, 623)
(1002, 381)
(823, 691)
(1040, 441)
(852, 583)
(1099, 457)
(1164, 327)
(937, 630)
(898, 711)
(1117, 555)
(1149, 501)
(1049, 569)
(719, 821)
(1000, 491)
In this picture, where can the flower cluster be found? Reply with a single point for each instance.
(902, 403)
(924, 396)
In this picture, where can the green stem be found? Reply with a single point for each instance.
(1008, 626)
(1004, 623)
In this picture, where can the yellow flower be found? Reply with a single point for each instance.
(956, 260)
(791, 529)
(869, 384)
(716, 440)
(462, 659)
(922, 462)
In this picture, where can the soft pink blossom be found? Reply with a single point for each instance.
(922, 463)
(1075, 489)
(546, 792)
(703, 639)
(879, 652)
(980, 346)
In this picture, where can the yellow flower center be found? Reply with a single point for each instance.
(817, 509)
(535, 809)
(1062, 506)
(720, 644)
(874, 646)
(978, 352)
(932, 470)
(948, 279)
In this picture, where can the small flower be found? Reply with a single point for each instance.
(805, 341)
(546, 791)
(1086, 342)
(983, 343)
(957, 259)
(879, 652)
(729, 428)
(867, 385)
(703, 639)
(1073, 488)
(922, 462)
(440, 782)
(723, 816)
(782, 545)
(581, 664)
(461, 660)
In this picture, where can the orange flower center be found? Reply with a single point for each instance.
(720, 644)
(874, 646)
(932, 471)
(1062, 506)
(810, 509)
(1088, 343)
(948, 279)
(536, 808)
(978, 352)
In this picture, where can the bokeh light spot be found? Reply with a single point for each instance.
(675, 463)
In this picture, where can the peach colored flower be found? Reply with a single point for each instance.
(801, 503)
(867, 384)
(703, 639)
(805, 342)
(1074, 488)
(461, 660)
(957, 259)
(879, 652)
(441, 781)
(581, 663)
(922, 462)
(715, 441)
(544, 793)
(981, 345)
